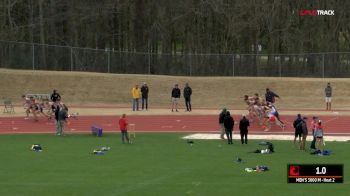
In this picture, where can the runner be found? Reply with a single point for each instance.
(272, 119)
(250, 102)
(270, 96)
(26, 105)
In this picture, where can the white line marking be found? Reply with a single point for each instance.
(329, 120)
(167, 126)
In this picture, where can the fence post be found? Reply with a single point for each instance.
(149, 63)
(190, 59)
(323, 65)
(279, 66)
(33, 57)
(108, 59)
(233, 64)
(71, 58)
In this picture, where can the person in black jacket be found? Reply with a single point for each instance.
(175, 96)
(56, 109)
(144, 92)
(55, 96)
(243, 128)
(298, 128)
(221, 122)
(187, 96)
(270, 96)
(228, 123)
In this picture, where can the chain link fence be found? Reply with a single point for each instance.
(20, 55)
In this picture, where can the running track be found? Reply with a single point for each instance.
(333, 125)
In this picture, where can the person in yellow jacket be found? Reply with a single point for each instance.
(136, 93)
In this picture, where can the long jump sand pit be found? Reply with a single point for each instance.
(213, 136)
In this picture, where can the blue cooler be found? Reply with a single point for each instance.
(97, 131)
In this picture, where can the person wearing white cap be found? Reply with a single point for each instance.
(144, 93)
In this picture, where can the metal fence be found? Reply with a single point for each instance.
(21, 55)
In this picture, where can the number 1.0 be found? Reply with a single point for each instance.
(323, 170)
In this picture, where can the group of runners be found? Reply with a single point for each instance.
(49, 108)
(41, 106)
(264, 110)
(36, 107)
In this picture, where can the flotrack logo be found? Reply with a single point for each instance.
(316, 13)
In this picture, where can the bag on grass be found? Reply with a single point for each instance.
(36, 147)
(313, 144)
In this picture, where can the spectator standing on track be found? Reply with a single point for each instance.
(328, 96)
(304, 134)
(175, 96)
(61, 119)
(229, 123)
(187, 96)
(221, 122)
(55, 97)
(144, 92)
(298, 128)
(270, 96)
(243, 128)
(136, 92)
(123, 125)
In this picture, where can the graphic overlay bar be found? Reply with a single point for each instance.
(318, 173)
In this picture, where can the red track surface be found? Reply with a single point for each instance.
(333, 125)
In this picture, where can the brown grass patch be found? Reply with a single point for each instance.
(81, 88)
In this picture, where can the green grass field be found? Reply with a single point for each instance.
(156, 164)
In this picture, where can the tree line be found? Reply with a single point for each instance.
(180, 27)
(183, 26)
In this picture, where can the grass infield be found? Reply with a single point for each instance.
(156, 164)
